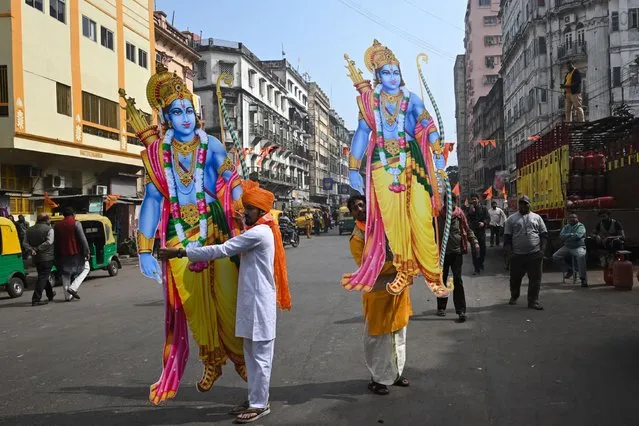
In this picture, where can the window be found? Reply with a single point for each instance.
(106, 38)
(99, 110)
(492, 40)
(614, 20)
(491, 21)
(57, 9)
(227, 67)
(484, 3)
(88, 28)
(541, 3)
(634, 75)
(4, 91)
(633, 18)
(269, 93)
(63, 99)
(251, 80)
(130, 52)
(490, 79)
(616, 76)
(142, 58)
(581, 37)
(201, 69)
(541, 42)
(543, 96)
(262, 85)
(492, 61)
(568, 39)
(36, 4)
(290, 86)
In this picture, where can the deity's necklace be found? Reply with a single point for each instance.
(403, 106)
(185, 149)
(387, 98)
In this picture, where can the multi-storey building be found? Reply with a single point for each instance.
(258, 105)
(482, 43)
(488, 155)
(321, 181)
(540, 38)
(173, 49)
(459, 75)
(624, 50)
(338, 157)
(62, 130)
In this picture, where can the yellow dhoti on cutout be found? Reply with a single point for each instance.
(408, 224)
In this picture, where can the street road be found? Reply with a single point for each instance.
(90, 362)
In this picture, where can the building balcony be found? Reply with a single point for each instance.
(572, 51)
(564, 5)
(276, 182)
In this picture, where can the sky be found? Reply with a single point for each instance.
(315, 35)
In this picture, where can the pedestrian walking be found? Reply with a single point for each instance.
(22, 225)
(386, 315)
(479, 220)
(71, 249)
(262, 281)
(573, 235)
(308, 216)
(497, 221)
(39, 241)
(460, 236)
(525, 240)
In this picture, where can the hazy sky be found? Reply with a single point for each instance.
(316, 34)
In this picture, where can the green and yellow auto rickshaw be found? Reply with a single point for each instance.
(346, 222)
(102, 242)
(12, 275)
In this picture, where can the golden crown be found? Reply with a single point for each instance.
(377, 56)
(165, 87)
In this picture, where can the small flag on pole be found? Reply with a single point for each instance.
(489, 193)
(456, 189)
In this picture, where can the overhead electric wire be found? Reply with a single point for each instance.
(415, 5)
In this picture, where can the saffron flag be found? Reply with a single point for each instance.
(111, 200)
(503, 191)
(489, 193)
(49, 202)
(448, 148)
(456, 189)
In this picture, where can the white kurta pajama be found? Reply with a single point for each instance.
(256, 302)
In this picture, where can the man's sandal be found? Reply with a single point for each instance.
(378, 388)
(402, 382)
(239, 408)
(252, 414)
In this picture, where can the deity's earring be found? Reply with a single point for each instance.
(170, 125)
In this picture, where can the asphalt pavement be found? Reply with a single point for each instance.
(90, 362)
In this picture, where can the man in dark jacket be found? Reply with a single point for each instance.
(460, 236)
(71, 249)
(572, 87)
(479, 220)
(39, 242)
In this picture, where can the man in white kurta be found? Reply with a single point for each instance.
(262, 286)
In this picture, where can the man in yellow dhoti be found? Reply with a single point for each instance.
(404, 155)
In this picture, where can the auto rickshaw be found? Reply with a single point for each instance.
(12, 275)
(102, 245)
(300, 221)
(346, 222)
(276, 215)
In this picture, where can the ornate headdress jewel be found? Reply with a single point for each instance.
(377, 56)
(165, 87)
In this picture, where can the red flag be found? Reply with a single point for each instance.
(448, 148)
(49, 202)
(456, 189)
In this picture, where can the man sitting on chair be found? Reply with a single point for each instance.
(573, 235)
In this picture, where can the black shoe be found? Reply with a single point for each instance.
(441, 313)
(74, 294)
(481, 267)
(39, 302)
(512, 301)
(475, 272)
(584, 283)
(568, 275)
(462, 318)
(52, 296)
(535, 305)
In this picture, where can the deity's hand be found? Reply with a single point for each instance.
(356, 181)
(150, 267)
(440, 161)
(237, 192)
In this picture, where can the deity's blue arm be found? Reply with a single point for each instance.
(150, 211)
(219, 156)
(358, 149)
(421, 115)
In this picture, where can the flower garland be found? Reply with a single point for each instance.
(401, 120)
(176, 214)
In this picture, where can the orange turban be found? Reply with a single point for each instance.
(257, 197)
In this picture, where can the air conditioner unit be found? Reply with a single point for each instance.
(569, 19)
(54, 181)
(100, 189)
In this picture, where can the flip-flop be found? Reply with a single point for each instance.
(239, 408)
(378, 388)
(402, 382)
(259, 413)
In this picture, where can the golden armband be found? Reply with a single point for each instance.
(436, 147)
(354, 164)
(238, 205)
(227, 165)
(145, 244)
(424, 116)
